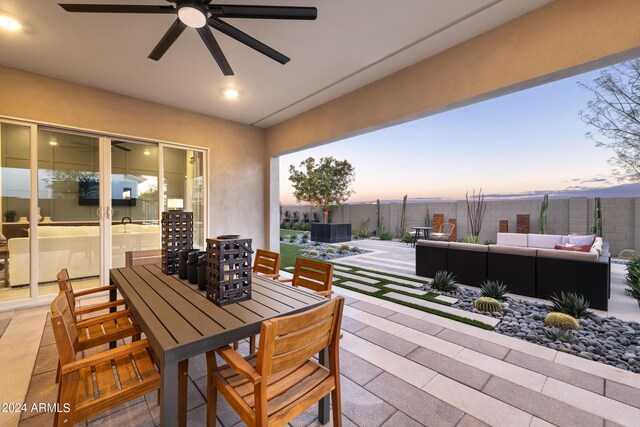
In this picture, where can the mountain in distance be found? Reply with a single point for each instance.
(621, 191)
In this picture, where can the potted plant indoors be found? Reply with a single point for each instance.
(10, 215)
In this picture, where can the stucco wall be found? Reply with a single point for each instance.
(237, 151)
(558, 40)
(620, 217)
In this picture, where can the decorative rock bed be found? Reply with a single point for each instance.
(335, 250)
(604, 339)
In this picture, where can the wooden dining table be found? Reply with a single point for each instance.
(180, 323)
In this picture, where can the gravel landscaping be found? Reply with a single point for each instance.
(604, 339)
(319, 250)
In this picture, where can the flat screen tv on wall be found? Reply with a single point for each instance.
(89, 194)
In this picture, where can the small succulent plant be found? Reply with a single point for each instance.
(572, 304)
(330, 250)
(493, 289)
(488, 305)
(561, 321)
(313, 252)
(557, 334)
(344, 247)
(444, 282)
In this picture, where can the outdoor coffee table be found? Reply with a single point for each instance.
(180, 323)
(424, 230)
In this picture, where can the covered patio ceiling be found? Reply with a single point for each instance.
(350, 45)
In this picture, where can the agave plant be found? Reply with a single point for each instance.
(444, 282)
(493, 289)
(560, 335)
(572, 304)
(469, 238)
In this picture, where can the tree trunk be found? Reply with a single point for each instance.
(326, 215)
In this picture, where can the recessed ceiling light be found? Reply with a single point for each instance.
(231, 93)
(192, 14)
(53, 143)
(9, 24)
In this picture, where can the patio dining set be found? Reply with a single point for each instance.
(165, 321)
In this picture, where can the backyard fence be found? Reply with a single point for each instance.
(620, 217)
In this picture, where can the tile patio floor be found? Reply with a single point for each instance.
(400, 367)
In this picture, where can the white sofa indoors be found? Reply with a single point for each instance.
(76, 248)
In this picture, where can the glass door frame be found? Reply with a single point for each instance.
(105, 210)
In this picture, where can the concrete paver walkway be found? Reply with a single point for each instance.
(404, 367)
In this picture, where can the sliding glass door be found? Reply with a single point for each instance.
(80, 201)
(68, 201)
(135, 199)
(15, 207)
(184, 186)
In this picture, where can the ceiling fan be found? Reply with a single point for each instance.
(201, 14)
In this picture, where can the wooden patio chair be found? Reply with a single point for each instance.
(282, 380)
(121, 374)
(314, 275)
(64, 284)
(444, 232)
(267, 264)
(147, 257)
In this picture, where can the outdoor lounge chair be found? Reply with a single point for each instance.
(443, 233)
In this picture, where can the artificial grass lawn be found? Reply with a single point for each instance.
(290, 252)
(287, 233)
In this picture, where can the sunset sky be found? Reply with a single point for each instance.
(532, 140)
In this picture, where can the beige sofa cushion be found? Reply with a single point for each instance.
(432, 243)
(544, 241)
(512, 239)
(560, 254)
(597, 245)
(468, 247)
(513, 250)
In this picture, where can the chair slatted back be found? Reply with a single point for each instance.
(64, 328)
(64, 284)
(149, 257)
(447, 228)
(312, 274)
(290, 341)
(453, 236)
(438, 220)
(266, 262)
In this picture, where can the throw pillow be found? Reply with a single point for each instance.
(582, 240)
(575, 248)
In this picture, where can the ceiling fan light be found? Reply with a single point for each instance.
(192, 14)
(9, 23)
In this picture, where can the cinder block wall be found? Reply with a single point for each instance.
(620, 217)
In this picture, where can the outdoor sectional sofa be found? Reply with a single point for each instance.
(527, 263)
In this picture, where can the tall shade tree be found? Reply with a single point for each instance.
(322, 184)
(614, 112)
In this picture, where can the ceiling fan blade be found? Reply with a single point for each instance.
(214, 48)
(167, 40)
(263, 12)
(116, 8)
(246, 39)
(117, 145)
